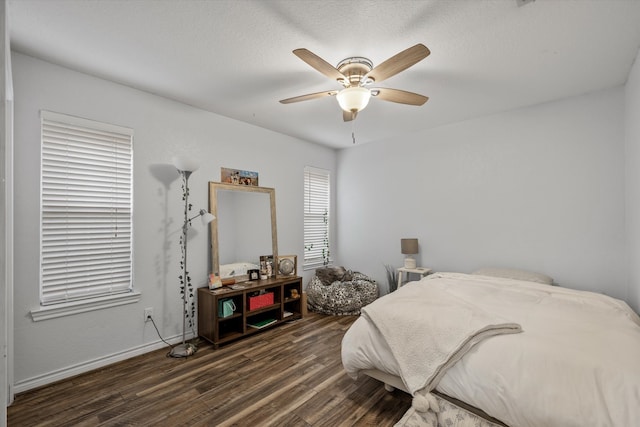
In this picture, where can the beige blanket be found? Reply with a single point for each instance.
(428, 330)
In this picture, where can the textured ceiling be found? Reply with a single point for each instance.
(234, 57)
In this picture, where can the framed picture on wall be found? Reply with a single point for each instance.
(287, 265)
(239, 177)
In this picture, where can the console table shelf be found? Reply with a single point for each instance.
(219, 330)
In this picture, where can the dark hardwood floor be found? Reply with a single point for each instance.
(289, 375)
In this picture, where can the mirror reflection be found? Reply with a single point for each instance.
(244, 228)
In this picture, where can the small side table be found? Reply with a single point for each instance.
(404, 273)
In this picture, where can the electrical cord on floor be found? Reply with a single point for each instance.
(162, 339)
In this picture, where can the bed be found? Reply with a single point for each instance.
(537, 355)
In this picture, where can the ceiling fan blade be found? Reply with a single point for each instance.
(399, 96)
(320, 64)
(347, 116)
(309, 96)
(398, 63)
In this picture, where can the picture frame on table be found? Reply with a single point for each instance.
(287, 265)
(267, 268)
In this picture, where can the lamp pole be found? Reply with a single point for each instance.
(184, 349)
(185, 167)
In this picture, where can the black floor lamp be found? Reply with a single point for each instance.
(185, 168)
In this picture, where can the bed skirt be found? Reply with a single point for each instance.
(453, 413)
(449, 415)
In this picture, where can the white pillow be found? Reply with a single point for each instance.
(516, 274)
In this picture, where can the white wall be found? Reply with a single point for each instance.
(632, 156)
(56, 348)
(539, 188)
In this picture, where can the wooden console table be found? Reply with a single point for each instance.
(286, 305)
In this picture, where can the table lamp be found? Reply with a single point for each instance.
(409, 247)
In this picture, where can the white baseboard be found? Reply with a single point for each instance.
(90, 365)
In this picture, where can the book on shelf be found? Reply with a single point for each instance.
(261, 323)
(287, 314)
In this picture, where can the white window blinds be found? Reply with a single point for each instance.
(86, 209)
(316, 217)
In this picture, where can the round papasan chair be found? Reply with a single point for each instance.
(337, 291)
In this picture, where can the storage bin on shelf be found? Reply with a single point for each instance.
(259, 301)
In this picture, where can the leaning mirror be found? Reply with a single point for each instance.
(244, 228)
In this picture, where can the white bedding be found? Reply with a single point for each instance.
(427, 332)
(577, 362)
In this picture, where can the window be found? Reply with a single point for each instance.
(316, 217)
(86, 215)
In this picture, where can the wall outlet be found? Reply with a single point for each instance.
(148, 313)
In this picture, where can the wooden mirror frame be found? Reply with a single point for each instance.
(213, 208)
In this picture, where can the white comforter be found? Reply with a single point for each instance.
(577, 363)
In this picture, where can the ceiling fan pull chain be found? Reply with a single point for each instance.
(353, 131)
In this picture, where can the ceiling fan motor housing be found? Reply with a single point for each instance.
(355, 68)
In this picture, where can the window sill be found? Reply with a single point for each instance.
(315, 266)
(71, 308)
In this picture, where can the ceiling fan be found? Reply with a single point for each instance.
(356, 73)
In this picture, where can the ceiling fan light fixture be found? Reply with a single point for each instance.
(353, 98)
(357, 72)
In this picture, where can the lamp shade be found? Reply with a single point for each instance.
(409, 246)
(207, 218)
(353, 98)
(184, 164)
